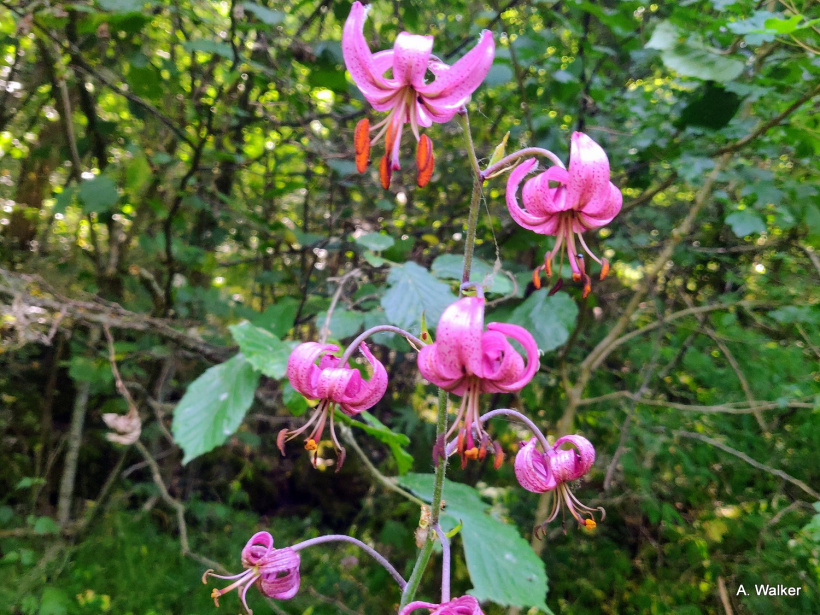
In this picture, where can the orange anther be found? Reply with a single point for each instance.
(471, 453)
(310, 445)
(425, 162)
(361, 143)
(548, 265)
(385, 172)
(590, 524)
(536, 278)
(604, 268)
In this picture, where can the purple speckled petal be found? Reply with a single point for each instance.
(359, 61)
(603, 214)
(411, 54)
(369, 392)
(523, 217)
(302, 371)
(588, 185)
(257, 548)
(458, 338)
(572, 464)
(531, 469)
(465, 605)
(279, 576)
(454, 86)
(417, 605)
(525, 338)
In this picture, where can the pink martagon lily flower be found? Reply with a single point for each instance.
(541, 472)
(406, 95)
(274, 571)
(467, 360)
(332, 384)
(465, 605)
(567, 202)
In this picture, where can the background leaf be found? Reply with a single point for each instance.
(414, 291)
(213, 406)
(502, 565)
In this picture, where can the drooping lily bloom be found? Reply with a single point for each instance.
(565, 203)
(467, 360)
(541, 472)
(332, 384)
(466, 605)
(274, 571)
(405, 94)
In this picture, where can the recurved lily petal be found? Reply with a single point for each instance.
(453, 85)
(531, 470)
(541, 472)
(572, 464)
(565, 203)
(333, 384)
(465, 605)
(411, 54)
(302, 370)
(274, 571)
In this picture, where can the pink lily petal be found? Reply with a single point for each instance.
(572, 464)
(531, 470)
(412, 52)
(522, 217)
(454, 86)
(525, 338)
(465, 605)
(605, 213)
(359, 60)
(588, 174)
(366, 393)
(280, 575)
(458, 338)
(302, 371)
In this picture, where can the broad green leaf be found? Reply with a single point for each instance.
(691, 57)
(262, 349)
(213, 406)
(98, 194)
(549, 319)
(121, 6)
(376, 241)
(500, 74)
(396, 441)
(294, 400)
(138, 174)
(745, 223)
(209, 46)
(450, 267)
(783, 26)
(63, 200)
(279, 317)
(343, 323)
(265, 15)
(344, 168)
(54, 601)
(796, 313)
(413, 291)
(503, 567)
(46, 525)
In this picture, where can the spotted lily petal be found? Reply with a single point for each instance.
(572, 464)
(302, 370)
(411, 55)
(465, 605)
(531, 470)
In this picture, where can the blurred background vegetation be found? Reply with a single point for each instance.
(169, 168)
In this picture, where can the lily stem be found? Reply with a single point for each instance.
(366, 548)
(378, 329)
(475, 199)
(413, 582)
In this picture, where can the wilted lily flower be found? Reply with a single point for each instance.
(275, 571)
(405, 94)
(541, 472)
(332, 384)
(466, 605)
(565, 203)
(467, 360)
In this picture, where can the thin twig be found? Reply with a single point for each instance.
(752, 462)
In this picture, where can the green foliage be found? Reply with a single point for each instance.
(413, 291)
(502, 566)
(213, 406)
(262, 349)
